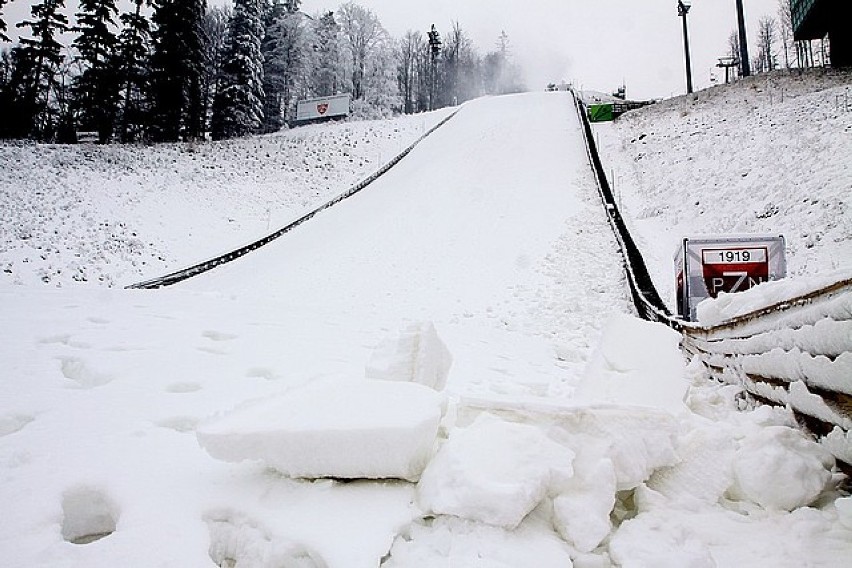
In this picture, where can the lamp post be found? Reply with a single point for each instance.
(683, 7)
(745, 67)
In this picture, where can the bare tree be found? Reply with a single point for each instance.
(785, 29)
(766, 36)
(362, 34)
(410, 47)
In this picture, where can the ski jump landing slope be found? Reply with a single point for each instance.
(493, 216)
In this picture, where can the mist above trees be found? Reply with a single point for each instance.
(171, 70)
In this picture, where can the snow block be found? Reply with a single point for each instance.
(494, 472)
(581, 512)
(357, 430)
(637, 363)
(414, 354)
(779, 469)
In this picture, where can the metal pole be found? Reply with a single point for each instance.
(683, 10)
(745, 66)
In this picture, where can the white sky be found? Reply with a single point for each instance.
(594, 43)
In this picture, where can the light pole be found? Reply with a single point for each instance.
(683, 7)
(745, 67)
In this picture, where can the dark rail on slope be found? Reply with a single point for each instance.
(201, 267)
(647, 300)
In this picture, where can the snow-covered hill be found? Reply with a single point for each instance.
(112, 215)
(439, 371)
(767, 155)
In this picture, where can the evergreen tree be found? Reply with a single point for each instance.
(275, 66)
(177, 69)
(132, 64)
(96, 89)
(238, 106)
(3, 28)
(42, 55)
(214, 31)
(14, 92)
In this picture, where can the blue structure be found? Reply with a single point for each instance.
(814, 19)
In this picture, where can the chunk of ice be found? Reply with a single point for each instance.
(415, 354)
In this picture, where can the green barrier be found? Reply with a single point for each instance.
(600, 113)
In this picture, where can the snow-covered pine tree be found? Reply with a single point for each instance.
(3, 28)
(177, 68)
(96, 88)
(238, 106)
(17, 115)
(43, 57)
(214, 32)
(274, 66)
(132, 64)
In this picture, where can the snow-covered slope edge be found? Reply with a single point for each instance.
(763, 155)
(114, 214)
(202, 267)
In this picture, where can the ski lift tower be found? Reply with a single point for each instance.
(745, 67)
(435, 50)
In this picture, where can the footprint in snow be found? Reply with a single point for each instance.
(181, 388)
(11, 423)
(218, 335)
(85, 377)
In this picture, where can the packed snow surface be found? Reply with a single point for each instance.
(485, 248)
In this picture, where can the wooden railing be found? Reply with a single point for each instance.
(777, 354)
(797, 353)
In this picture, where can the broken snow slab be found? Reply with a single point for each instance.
(637, 363)
(355, 430)
(493, 472)
(414, 354)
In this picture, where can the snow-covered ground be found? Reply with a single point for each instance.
(446, 361)
(767, 155)
(113, 215)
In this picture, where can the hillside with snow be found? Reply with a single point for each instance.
(113, 215)
(442, 370)
(766, 155)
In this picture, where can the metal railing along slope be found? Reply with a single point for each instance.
(202, 267)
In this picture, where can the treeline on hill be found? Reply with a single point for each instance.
(171, 70)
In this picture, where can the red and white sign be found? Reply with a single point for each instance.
(323, 108)
(734, 269)
(707, 266)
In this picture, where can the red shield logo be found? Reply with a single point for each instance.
(322, 108)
